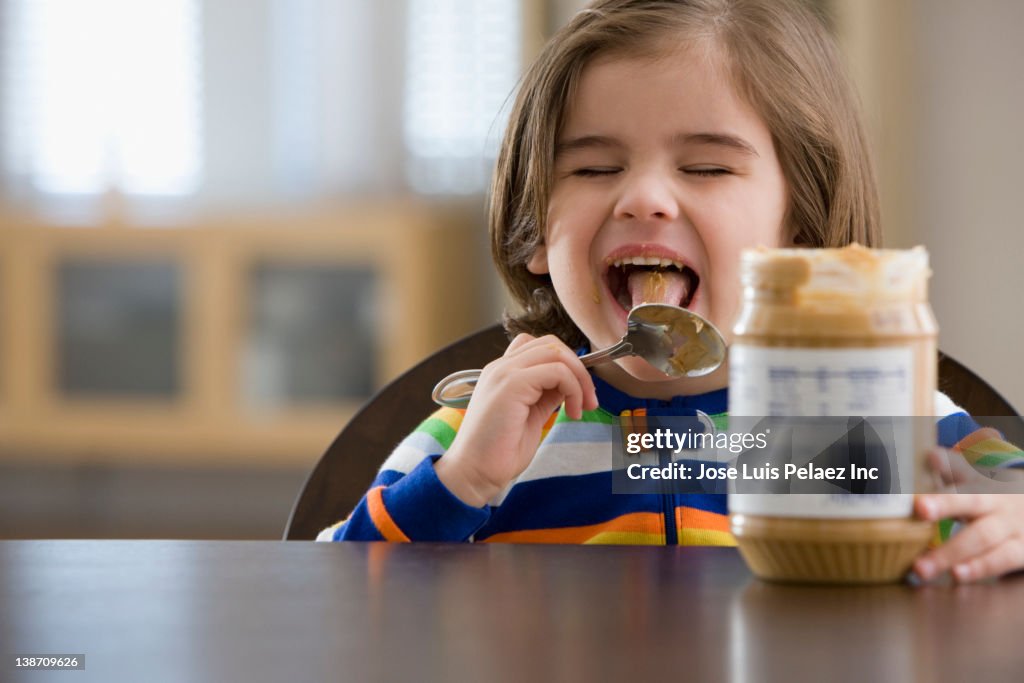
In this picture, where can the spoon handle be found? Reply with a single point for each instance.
(455, 390)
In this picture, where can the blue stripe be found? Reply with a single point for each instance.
(386, 478)
(954, 428)
(579, 500)
(421, 506)
(710, 502)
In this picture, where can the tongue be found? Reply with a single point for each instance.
(658, 287)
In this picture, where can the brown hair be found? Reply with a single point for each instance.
(783, 61)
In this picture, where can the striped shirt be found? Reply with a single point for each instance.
(565, 494)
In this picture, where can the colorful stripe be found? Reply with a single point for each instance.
(550, 423)
(986, 448)
(565, 494)
(443, 425)
(638, 528)
(599, 416)
(381, 518)
(701, 527)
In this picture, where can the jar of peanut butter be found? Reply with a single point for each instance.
(835, 332)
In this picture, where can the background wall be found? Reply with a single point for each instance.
(944, 96)
(969, 173)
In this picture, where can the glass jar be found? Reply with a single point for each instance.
(835, 332)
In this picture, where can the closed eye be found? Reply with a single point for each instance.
(707, 172)
(595, 171)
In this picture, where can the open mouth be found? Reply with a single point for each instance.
(650, 279)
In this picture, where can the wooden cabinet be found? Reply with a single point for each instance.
(249, 373)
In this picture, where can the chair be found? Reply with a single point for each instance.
(346, 469)
(350, 463)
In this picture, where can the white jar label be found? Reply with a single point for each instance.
(796, 382)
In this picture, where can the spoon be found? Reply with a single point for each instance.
(674, 340)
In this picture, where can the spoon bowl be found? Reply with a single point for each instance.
(674, 340)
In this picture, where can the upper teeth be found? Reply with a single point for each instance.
(647, 261)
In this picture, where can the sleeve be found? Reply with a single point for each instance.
(982, 447)
(407, 502)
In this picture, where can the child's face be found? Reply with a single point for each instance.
(658, 158)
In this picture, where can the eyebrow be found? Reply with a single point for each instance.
(585, 142)
(722, 139)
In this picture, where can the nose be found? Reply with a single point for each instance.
(647, 196)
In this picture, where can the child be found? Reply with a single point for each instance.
(650, 136)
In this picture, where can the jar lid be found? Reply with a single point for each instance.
(851, 271)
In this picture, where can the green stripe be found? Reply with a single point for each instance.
(995, 460)
(599, 416)
(439, 429)
(602, 416)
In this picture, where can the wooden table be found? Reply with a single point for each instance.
(192, 611)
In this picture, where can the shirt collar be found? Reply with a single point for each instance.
(616, 401)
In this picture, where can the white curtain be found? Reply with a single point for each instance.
(101, 94)
(248, 102)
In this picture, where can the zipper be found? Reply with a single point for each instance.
(636, 419)
(671, 531)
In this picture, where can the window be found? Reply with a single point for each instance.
(101, 95)
(311, 334)
(462, 63)
(241, 104)
(118, 327)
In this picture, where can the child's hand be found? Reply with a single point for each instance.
(514, 397)
(992, 542)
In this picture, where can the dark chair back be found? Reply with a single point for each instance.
(349, 465)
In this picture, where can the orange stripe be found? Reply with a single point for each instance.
(626, 420)
(450, 416)
(549, 424)
(640, 420)
(693, 518)
(976, 436)
(381, 519)
(637, 522)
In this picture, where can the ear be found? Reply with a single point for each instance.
(538, 263)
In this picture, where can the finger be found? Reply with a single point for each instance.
(524, 344)
(588, 397)
(550, 401)
(974, 540)
(936, 506)
(951, 466)
(567, 392)
(939, 462)
(999, 560)
(520, 340)
(529, 352)
(549, 349)
(554, 383)
(941, 476)
(548, 340)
